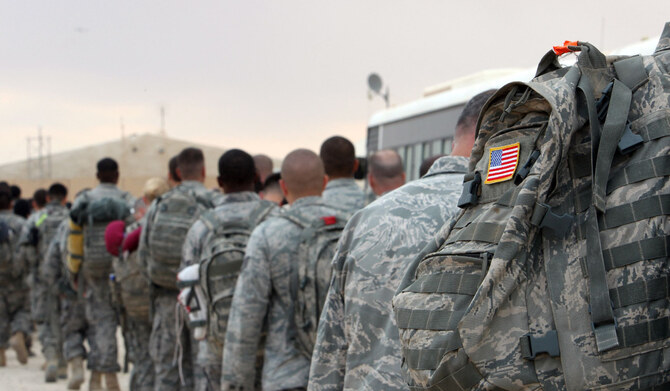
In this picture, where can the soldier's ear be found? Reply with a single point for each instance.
(284, 189)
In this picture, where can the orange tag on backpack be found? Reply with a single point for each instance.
(561, 50)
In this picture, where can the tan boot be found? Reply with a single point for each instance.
(3, 360)
(111, 382)
(51, 372)
(77, 378)
(95, 382)
(18, 343)
(62, 368)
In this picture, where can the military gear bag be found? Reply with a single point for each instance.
(311, 273)
(555, 274)
(222, 257)
(134, 289)
(176, 211)
(93, 216)
(46, 227)
(6, 250)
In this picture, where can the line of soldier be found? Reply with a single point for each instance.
(237, 327)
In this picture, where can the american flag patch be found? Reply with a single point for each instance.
(502, 163)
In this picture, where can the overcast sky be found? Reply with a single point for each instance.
(265, 76)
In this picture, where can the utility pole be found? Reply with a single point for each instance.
(162, 132)
(40, 146)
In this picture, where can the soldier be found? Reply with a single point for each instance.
(339, 161)
(272, 191)
(263, 287)
(93, 278)
(237, 176)
(173, 177)
(14, 298)
(168, 220)
(72, 321)
(264, 167)
(39, 231)
(132, 287)
(385, 171)
(357, 344)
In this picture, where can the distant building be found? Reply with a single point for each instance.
(140, 157)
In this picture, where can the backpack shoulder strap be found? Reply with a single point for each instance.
(261, 212)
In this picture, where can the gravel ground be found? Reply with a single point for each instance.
(30, 377)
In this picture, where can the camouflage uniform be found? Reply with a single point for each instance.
(232, 207)
(72, 321)
(344, 194)
(263, 290)
(100, 313)
(44, 305)
(164, 338)
(136, 328)
(14, 297)
(357, 345)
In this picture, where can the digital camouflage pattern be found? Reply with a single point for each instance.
(14, 297)
(344, 194)
(168, 220)
(100, 314)
(510, 296)
(233, 207)
(262, 296)
(357, 346)
(50, 275)
(37, 233)
(163, 341)
(71, 314)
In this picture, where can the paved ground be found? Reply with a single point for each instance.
(17, 377)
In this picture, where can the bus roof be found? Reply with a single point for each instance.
(459, 91)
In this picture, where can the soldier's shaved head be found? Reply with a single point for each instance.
(386, 171)
(302, 175)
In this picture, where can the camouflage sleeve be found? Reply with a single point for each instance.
(247, 314)
(143, 247)
(50, 269)
(330, 351)
(193, 243)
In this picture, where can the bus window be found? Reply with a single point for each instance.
(418, 158)
(408, 163)
(446, 147)
(437, 148)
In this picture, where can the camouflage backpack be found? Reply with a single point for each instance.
(223, 254)
(46, 227)
(6, 250)
(133, 285)
(93, 216)
(554, 275)
(176, 211)
(310, 274)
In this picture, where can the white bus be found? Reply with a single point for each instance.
(425, 127)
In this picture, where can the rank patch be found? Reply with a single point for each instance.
(502, 163)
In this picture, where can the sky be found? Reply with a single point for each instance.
(264, 76)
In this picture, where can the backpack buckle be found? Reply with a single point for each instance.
(471, 184)
(543, 217)
(525, 170)
(532, 345)
(629, 141)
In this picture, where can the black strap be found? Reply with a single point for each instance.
(602, 315)
(481, 232)
(615, 124)
(631, 71)
(639, 171)
(641, 333)
(640, 292)
(462, 284)
(658, 205)
(463, 378)
(429, 358)
(630, 253)
(428, 319)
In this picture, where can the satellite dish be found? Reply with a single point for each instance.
(375, 82)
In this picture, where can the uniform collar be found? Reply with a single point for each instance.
(449, 165)
(241, 196)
